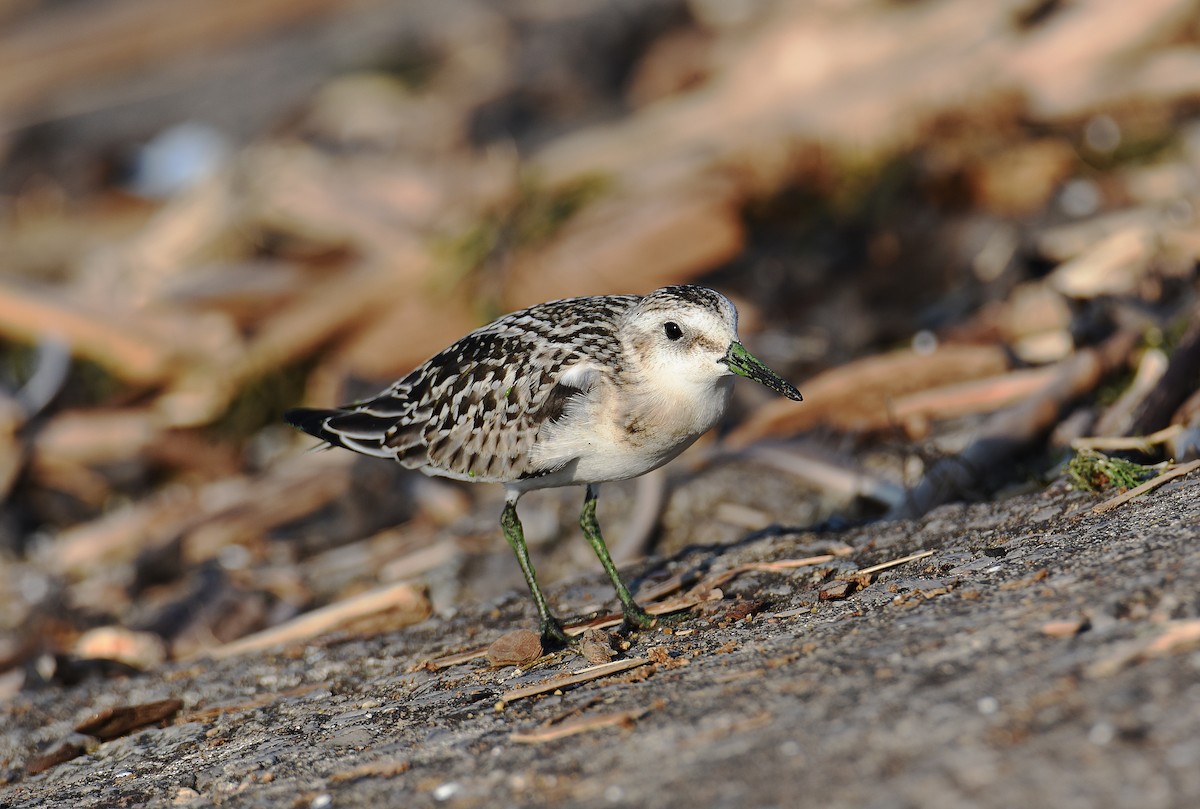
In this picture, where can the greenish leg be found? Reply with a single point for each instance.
(552, 632)
(635, 616)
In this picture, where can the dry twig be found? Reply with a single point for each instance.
(581, 676)
(1138, 491)
(404, 604)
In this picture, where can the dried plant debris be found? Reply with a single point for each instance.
(954, 268)
(518, 648)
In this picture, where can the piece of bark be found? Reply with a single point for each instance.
(596, 646)
(112, 723)
(73, 746)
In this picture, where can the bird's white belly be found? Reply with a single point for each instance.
(621, 459)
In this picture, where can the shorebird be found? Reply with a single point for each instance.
(575, 391)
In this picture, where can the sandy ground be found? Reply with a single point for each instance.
(1043, 655)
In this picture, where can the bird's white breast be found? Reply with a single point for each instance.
(616, 433)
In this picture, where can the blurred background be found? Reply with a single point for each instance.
(942, 219)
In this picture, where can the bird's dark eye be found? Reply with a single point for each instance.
(672, 330)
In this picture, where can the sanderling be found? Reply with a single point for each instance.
(576, 391)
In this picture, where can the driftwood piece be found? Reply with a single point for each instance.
(12, 449)
(860, 394)
(1177, 383)
(1115, 265)
(1010, 431)
(988, 395)
(112, 723)
(113, 339)
(871, 77)
(1118, 418)
(326, 310)
(96, 436)
(399, 604)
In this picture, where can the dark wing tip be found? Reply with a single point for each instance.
(311, 420)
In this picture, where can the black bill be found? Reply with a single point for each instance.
(743, 363)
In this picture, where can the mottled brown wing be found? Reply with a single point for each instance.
(474, 411)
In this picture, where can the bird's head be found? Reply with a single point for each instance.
(689, 333)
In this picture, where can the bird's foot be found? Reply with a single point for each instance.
(553, 635)
(637, 618)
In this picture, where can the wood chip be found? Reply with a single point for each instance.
(518, 648)
(582, 676)
(836, 590)
(143, 650)
(71, 747)
(968, 398)
(1113, 266)
(112, 723)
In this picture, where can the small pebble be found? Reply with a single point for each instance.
(446, 791)
(185, 795)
